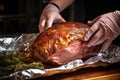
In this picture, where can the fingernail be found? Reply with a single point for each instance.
(86, 38)
(89, 22)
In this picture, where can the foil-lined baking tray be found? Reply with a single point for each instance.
(15, 45)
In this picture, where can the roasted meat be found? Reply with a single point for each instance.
(62, 43)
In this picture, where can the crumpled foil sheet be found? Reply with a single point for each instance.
(22, 42)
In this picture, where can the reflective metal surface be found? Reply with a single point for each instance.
(23, 42)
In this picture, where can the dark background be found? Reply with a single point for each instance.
(22, 16)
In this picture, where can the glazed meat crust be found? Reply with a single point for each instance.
(56, 38)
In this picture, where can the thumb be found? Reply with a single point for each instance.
(93, 21)
(60, 19)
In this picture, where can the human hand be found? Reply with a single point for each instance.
(104, 29)
(49, 16)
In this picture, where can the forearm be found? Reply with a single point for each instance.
(62, 3)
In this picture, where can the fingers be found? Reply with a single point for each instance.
(103, 29)
(47, 23)
(42, 24)
(47, 20)
(91, 31)
(106, 45)
(98, 37)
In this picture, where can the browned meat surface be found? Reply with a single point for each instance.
(62, 43)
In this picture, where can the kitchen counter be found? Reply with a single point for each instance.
(111, 72)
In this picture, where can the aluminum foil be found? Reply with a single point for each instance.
(23, 42)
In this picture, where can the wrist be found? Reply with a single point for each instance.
(55, 6)
(52, 7)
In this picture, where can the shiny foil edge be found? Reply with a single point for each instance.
(112, 55)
